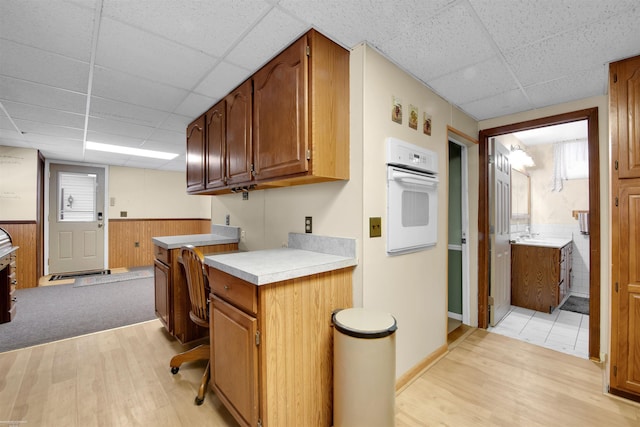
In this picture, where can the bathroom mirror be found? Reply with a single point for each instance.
(520, 195)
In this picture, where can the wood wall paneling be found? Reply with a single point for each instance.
(125, 233)
(24, 235)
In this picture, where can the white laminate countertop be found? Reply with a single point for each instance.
(547, 242)
(275, 265)
(173, 242)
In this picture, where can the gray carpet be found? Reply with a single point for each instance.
(51, 313)
(101, 279)
(576, 304)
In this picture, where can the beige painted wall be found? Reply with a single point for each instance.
(411, 287)
(146, 193)
(602, 103)
(18, 184)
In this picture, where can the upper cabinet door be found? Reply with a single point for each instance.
(239, 155)
(625, 112)
(195, 155)
(215, 137)
(280, 111)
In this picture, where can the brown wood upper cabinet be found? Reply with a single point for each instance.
(196, 155)
(625, 112)
(286, 125)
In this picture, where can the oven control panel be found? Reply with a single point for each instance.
(411, 156)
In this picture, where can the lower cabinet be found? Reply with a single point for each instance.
(172, 294)
(272, 347)
(540, 276)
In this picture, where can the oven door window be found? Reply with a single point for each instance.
(415, 209)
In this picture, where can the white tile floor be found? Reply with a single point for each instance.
(563, 331)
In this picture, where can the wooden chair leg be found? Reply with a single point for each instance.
(203, 385)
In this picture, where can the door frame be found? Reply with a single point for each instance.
(46, 207)
(591, 115)
(464, 177)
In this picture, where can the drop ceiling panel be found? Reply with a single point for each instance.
(509, 102)
(119, 127)
(583, 84)
(150, 56)
(51, 25)
(487, 78)
(222, 80)
(276, 31)
(39, 128)
(119, 86)
(444, 46)
(515, 24)
(41, 95)
(208, 26)
(167, 147)
(120, 111)
(176, 123)
(194, 105)
(27, 63)
(109, 138)
(169, 137)
(44, 115)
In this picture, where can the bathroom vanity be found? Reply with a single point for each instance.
(540, 273)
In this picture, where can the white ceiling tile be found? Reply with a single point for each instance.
(120, 111)
(203, 25)
(276, 31)
(119, 86)
(533, 20)
(195, 105)
(168, 137)
(119, 127)
(52, 25)
(107, 138)
(439, 45)
(177, 165)
(27, 63)
(577, 50)
(9, 138)
(39, 128)
(44, 115)
(499, 105)
(41, 95)
(150, 56)
(222, 80)
(101, 157)
(176, 123)
(354, 21)
(476, 81)
(580, 85)
(165, 146)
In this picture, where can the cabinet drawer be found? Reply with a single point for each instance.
(162, 254)
(235, 291)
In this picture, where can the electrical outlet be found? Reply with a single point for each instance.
(308, 224)
(227, 219)
(375, 227)
(243, 235)
(123, 214)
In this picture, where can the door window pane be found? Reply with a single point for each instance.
(76, 197)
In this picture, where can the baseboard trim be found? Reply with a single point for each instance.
(414, 373)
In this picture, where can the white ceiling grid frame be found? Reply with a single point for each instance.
(92, 63)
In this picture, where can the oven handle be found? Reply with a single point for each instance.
(411, 178)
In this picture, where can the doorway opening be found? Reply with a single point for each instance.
(458, 310)
(593, 221)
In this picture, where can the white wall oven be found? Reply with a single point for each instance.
(412, 197)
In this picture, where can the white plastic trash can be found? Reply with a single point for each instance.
(364, 368)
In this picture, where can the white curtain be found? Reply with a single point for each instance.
(571, 161)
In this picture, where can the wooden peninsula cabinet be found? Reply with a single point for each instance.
(286, 125)
(8, 280)
(540, 276)
(171, 292)
(271, 331)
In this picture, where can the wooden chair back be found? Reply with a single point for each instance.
(197, 282)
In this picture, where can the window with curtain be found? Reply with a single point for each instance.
(570, 161)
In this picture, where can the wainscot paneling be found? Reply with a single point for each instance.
(24, 235)
(130, 239)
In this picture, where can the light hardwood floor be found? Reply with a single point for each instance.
(121, 378)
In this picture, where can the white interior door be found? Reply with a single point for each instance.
(76, 218)
(500, 284)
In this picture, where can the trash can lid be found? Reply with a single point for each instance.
(362, 323)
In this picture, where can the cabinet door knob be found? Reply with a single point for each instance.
(226, 287)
